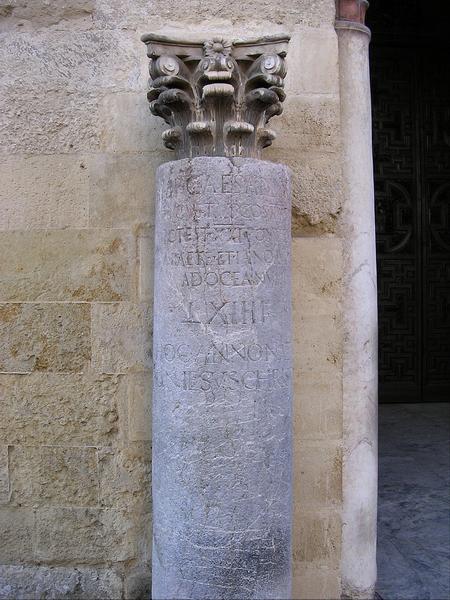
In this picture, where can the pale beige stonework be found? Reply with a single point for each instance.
(25, 179)
(317, 289)
(78, 154)
(52, 475)
(4, 475)
(72, 265)
(45, 408)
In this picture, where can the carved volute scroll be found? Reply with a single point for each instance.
(216, 96)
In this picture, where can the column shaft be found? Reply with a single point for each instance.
(360, 317)
(222, 380)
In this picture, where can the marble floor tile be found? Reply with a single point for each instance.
(414, 502)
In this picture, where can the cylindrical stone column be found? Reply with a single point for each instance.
(222, 380)
(360, 401)
(222, 325)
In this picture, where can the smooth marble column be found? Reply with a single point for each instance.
(360, 403)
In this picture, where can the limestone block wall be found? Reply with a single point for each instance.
(78, 154)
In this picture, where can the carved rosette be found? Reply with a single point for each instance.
(216, 96)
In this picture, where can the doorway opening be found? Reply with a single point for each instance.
(410, 79)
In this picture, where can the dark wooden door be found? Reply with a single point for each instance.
(411, 132)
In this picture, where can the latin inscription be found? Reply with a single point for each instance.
(237, 312)
(225, 250)
(203, 258)
(222, 353)
(229, 211)
(225, 278)
(220, 233)
(224, 184)
(206, 381)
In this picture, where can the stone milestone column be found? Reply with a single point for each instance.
(222, 325)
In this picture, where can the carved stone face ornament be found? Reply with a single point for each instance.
(217, 96)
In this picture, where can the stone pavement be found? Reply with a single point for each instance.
(414, 501)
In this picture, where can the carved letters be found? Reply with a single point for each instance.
(226, 245)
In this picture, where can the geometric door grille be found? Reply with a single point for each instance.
(411, 144)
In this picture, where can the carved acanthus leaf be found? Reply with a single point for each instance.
(217, 96)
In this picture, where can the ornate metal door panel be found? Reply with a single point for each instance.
(436, 218)
(411, 129)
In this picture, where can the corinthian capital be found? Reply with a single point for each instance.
(217, 96)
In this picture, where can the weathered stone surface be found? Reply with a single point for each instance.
(309, 123)
(126, 125)
(120, 189)
(44, 337)
(31, 14)
(313, 62)
(310, 146)
(146, 245)
(53, 121)
(317, 289)
(321, 340)
(317, 194)
(317, 276)
(43, 192)
(121, 334)
(55, 60)
(46, 476)
(139, 406)
(318, 411)
(16, 535)
(54, 583)
(125, 477)
(262, 13)
(318, 333)
(4, 475)
(84, 535)
(317, 538)
(320, 464)
(62, 409)
(310, 582)
(79, 265)
(222, 383)
(138, 583)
